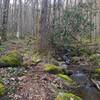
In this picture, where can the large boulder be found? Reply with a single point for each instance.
(12, 58)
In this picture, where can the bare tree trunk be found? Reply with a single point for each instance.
(5, 20)
(59, 10)
(54, 13)
(43, 25)
(25, 17)
(49, 17)
(15, 17)
(37, 16)
(0, 14)
(19, 28)
(33, 17)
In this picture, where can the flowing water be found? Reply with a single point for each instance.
(87, 91)
(86, 88)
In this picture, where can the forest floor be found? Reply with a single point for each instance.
(31, 82)
(28, 83)
(35, 85)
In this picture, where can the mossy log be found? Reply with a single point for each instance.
(96, 84)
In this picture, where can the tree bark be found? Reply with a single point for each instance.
(5, 20)
(0, 14)
(33, 17)
(19, 28)
(43, 25)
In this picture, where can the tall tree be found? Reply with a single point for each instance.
(5, 19)
(43, 25)
(0, 13)
(33, 16)
(59, 6)
(37, 16)
(15, 16)
(19, 27)
(54, 12)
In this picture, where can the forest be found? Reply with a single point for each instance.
(49, 49)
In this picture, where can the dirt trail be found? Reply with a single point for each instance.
(35, 86)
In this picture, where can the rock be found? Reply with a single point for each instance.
(21, 78)
(51, 68)
(63, 65)
(97, 70)
(17, 96)
(59, 59)
(67, 96)
(13, 79)
(13, 58)
(75, 60)
(36, 58)
(56, 69)
(67, 78)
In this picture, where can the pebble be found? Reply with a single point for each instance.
(13, 79)
(21, 78)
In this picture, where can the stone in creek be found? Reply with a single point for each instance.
(63, 65)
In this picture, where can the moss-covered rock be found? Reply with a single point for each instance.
(67, 96)
(13, 58)
(55, 69)
(2, 89)
(51, 68)
(36, 58)
(97, 70)
(67, 78)
(75, 60)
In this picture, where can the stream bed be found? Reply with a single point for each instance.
(86, 88)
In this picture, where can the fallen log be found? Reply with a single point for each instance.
(96, 84)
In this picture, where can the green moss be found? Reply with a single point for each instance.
(51, 68)
(97, 70)
(2, 49)
(13, 58)
(2, 89)
(55, 69)
(67, 96)
(36, 58)
(67, 78)
(96, 74)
